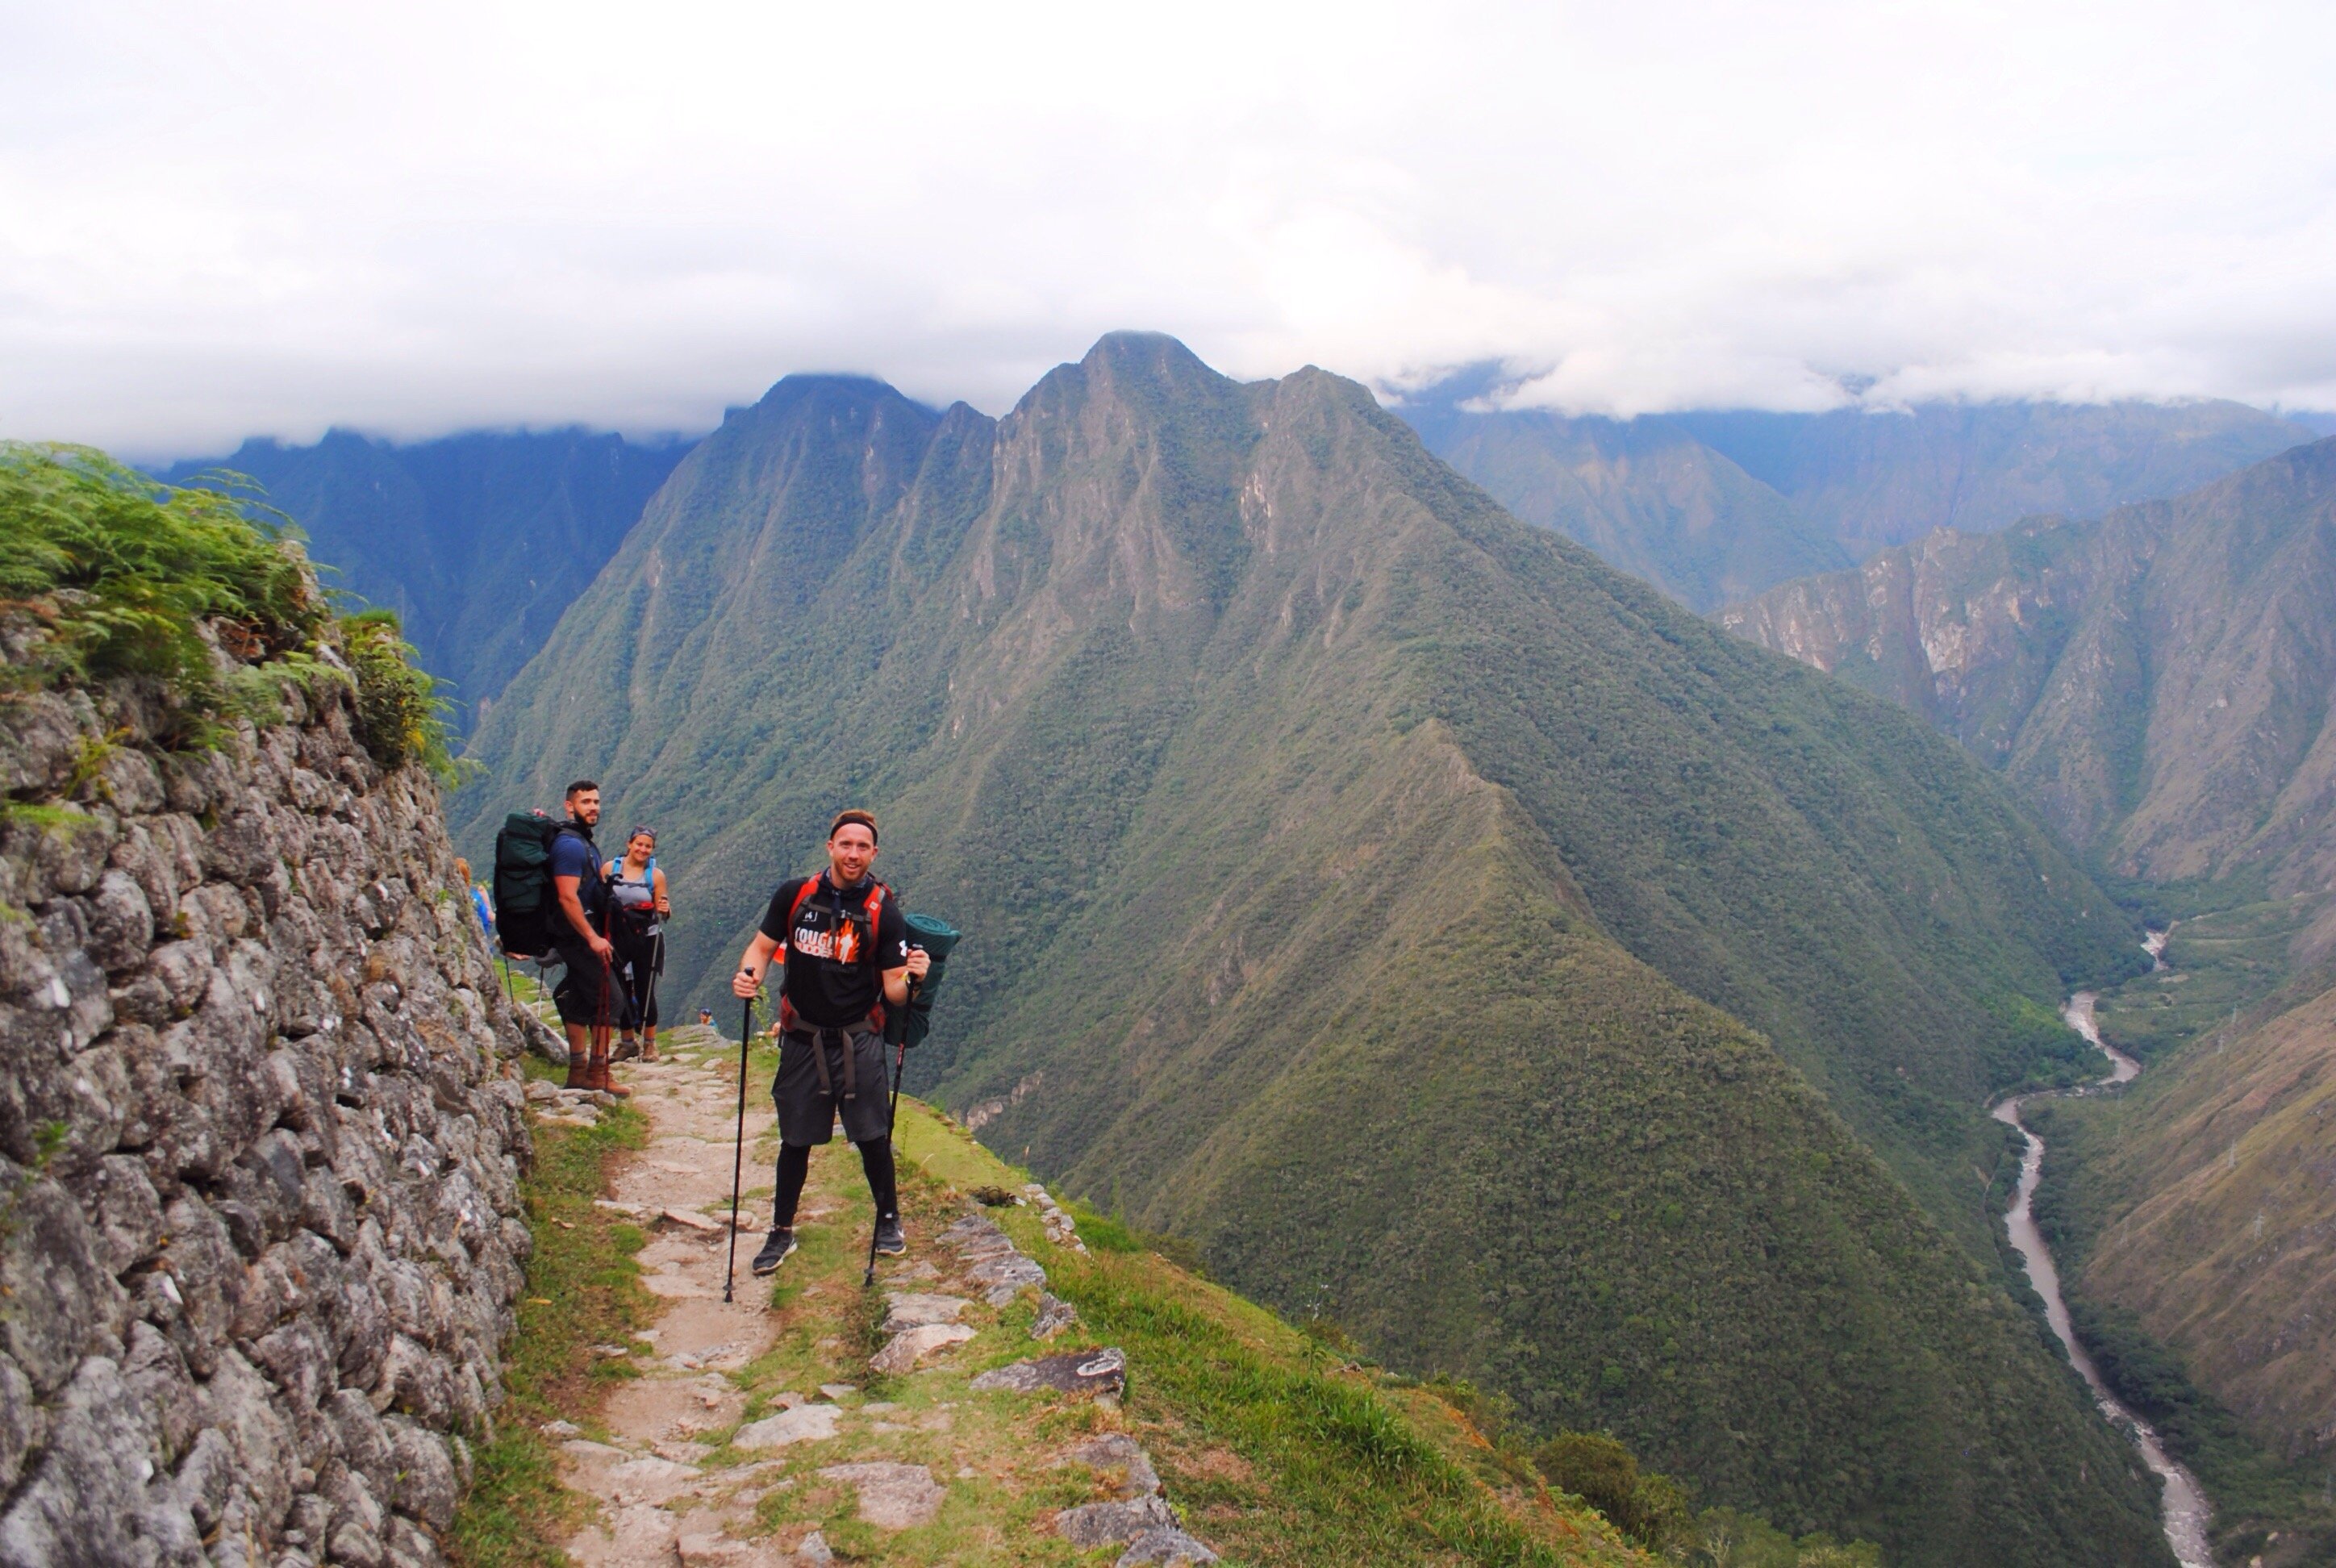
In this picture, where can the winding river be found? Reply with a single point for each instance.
(2184, 1502)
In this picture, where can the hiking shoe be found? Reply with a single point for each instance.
(889, 1242)
(777, 1250)
(629, 1049)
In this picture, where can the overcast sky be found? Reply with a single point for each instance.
(218, 220)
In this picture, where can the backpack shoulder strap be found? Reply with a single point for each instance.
(802, 896)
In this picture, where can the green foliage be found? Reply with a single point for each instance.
(477, 540)
(1726, 1538)
(1651, 1509)
(122, 571)
(400, 716)
(2221, 966)
(2253, 1490)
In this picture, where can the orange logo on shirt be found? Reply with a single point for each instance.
(842, 944)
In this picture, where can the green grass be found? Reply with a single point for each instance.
(120, 570)
(1281, 1450)
(582, 1290)
(2219, 965)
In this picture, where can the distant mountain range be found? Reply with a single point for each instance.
(478, 541)
(2156, 683)
(1717, 506)
(1355, 878)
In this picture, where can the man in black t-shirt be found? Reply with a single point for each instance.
(847, 958)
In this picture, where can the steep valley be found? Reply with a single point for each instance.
(1356, 878)
(2155, 684)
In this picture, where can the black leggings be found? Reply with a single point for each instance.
(636, 968)
(794, 1165)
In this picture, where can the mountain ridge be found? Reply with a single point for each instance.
(1153, 620)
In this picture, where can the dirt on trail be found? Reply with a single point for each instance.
(954, 1412)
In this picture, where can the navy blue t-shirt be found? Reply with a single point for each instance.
(573, 855)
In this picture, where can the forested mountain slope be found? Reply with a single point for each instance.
(2155, 683)
(1307, 812)
(1871, 479)
(2212, 1188)
(478, 541)
(1642, 493)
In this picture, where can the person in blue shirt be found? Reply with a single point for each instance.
(587, 993)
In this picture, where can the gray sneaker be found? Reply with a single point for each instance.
(776, 1250)
(889, 1242)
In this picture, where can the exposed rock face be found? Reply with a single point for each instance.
(2154, 682)
(260, 1143)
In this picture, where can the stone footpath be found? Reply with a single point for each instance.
(684, 1477)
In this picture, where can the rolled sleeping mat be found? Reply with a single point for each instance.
(937, 937)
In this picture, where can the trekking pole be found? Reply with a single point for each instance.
(738, 1161)
(891, 1122)
(649, 1002)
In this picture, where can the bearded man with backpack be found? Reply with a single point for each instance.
(847, 958)
(587, 993)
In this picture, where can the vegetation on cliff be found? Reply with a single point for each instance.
(476, 542)
(108, 575)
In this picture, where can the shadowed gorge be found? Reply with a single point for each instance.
(1336, 849)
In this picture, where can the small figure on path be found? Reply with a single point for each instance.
(847, 959)
(637, 907)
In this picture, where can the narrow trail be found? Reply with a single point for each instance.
(812, 1418)
(2184, 1506)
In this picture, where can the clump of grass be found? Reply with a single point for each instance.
(583, 1288)
(120, 576)
(122, 572)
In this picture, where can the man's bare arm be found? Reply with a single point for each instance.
(571, 905)
(896, 981)
(751, 969)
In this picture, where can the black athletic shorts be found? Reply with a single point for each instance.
(583, 995)
(808, 1106)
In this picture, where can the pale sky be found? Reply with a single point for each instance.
(218, 220)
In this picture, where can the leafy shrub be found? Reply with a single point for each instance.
(122, 572)
(400, 716)
(1649, 1509)
(1726, 1538)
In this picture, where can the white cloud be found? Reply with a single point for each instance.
(217, 219)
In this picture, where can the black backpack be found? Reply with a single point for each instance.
(526, 907)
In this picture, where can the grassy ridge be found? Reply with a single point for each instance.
(1282, 1449)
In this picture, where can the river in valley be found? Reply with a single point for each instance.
(2184, 1502)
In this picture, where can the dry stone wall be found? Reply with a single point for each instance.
(261, 1135)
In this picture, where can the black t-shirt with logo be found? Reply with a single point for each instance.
(834, 975)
